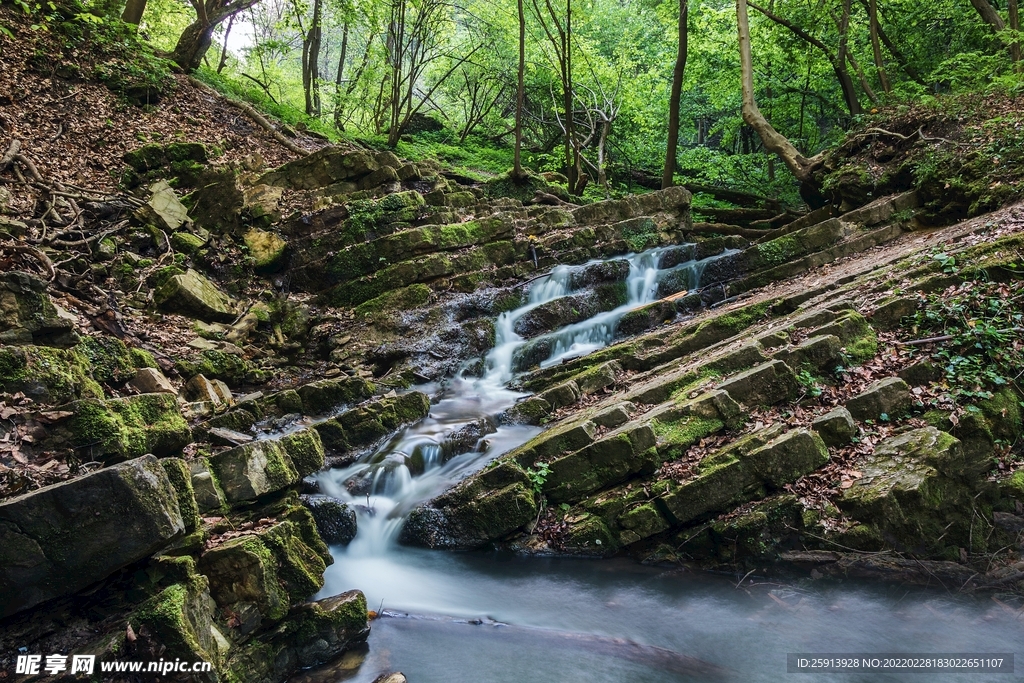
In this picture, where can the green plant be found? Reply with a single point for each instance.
(538, 477)
(809, 382)
(977, 326)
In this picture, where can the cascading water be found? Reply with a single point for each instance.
(389, 489)
(582, 619)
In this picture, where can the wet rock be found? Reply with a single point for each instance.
(152, 381)
(61, 538)
(247, 472)
(397, 677)
(192, 294)
(465, 439)
(887, 398)
(324, 396)
(363, 426)
(335, 521)
(311, 634)
(244, 570)
(836, 427)
(27, 316)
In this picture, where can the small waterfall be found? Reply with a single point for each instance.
(410, 468)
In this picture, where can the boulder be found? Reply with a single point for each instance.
(163, 210)
(324, 396)
(200, 389)
(266, 248)
(219, 436)
(123, 428)
(836, 427)
(27, 316)
(206, 490)
(885, 399)
(788, 457)
(335, 520)
(247, 472)
(47, 374)
(911, 492)
(61, 538)
(192, 294)
(152, 381)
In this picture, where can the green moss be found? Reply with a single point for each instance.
(863, 349)
(109, 359)
(140, 358)
(397, 301)
(181, 479)
(305, 450)
(300, 567)
(675, 437)
(162, 275)
(778, 251)
(47, 374)
(186, 242)
(215, 364)
(130, 427)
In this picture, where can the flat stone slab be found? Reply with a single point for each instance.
(62, 538)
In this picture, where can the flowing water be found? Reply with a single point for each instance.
(500, 618)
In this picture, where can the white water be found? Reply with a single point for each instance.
(395, 491)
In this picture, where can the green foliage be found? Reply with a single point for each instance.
(809, 382)
(538, 477)
(979, 323)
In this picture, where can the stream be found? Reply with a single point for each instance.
(495, 617)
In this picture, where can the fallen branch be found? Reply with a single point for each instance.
(9, 155)
(34, 253)
(254, 115)
(950, 337)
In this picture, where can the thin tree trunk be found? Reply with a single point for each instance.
(897, 54)
(841, 58)
(989, 14)
(798, 164)
(517, 161)
(678, 73)
(838, 63)
(1014, 26)
(133, 11)
(570, 149)
(868, 90)
(338, 78)
(876, 46)
(224, 47)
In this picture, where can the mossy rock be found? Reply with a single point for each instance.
(109, 358)
(214, 364)
(127, 428)
(47, 374)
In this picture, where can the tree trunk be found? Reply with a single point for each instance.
(876, 47)
(338, 78)
(673, 103)
(775, 142)
(195, 40)
(1014, 26)
(311, 61)
(517, 161)
(133, 11)
(572, 162)
(897, 54)
(849, 92)
(224, 48)
(989, 14)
